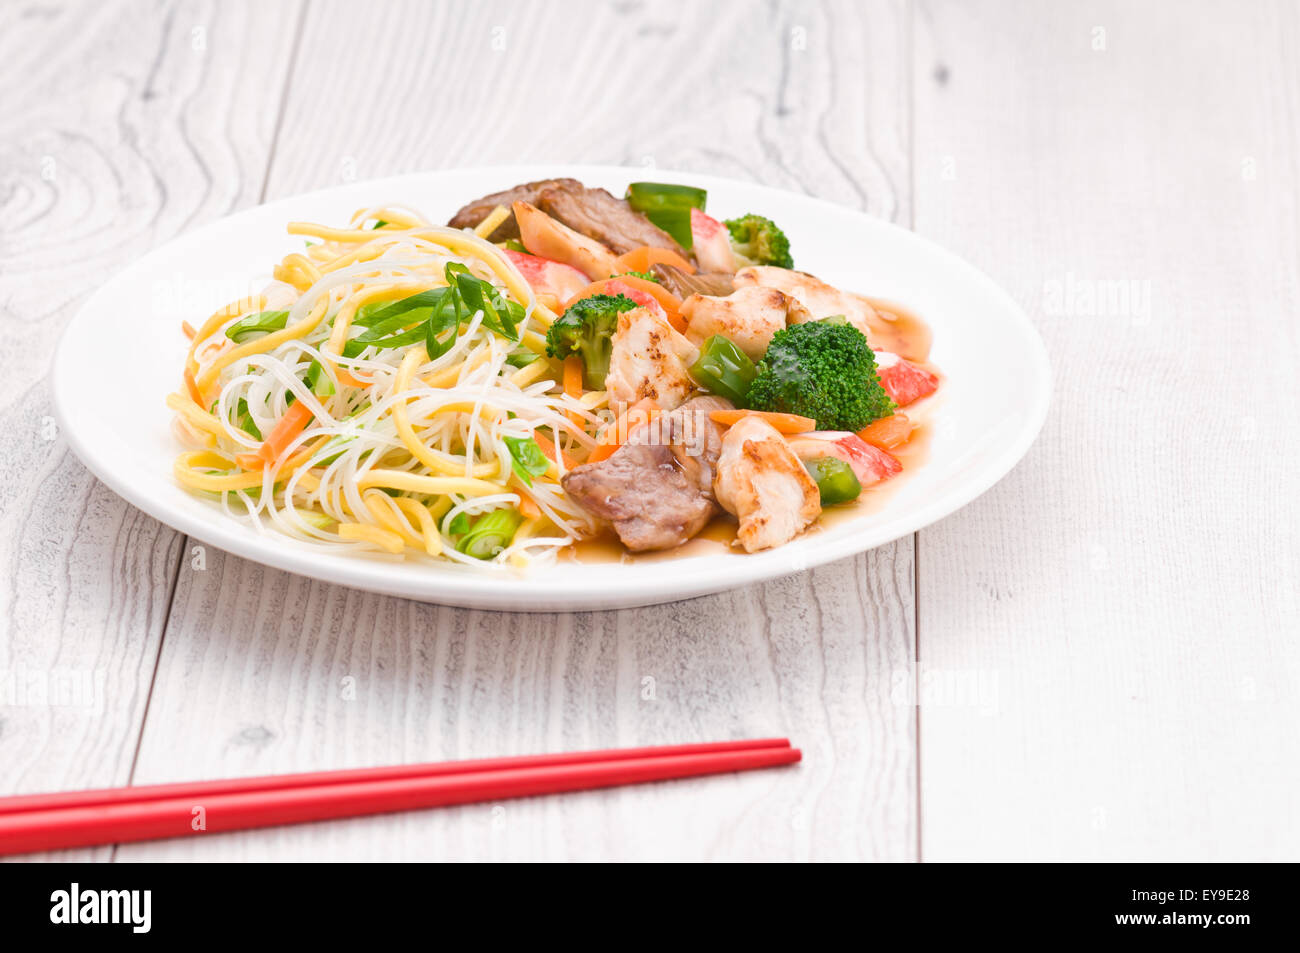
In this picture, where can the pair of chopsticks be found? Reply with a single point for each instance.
(118, 815)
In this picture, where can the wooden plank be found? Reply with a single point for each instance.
(121, 126)
(264, 672)
(1109, 635)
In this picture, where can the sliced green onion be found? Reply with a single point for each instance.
(490, 534)
(264, 322)
(479, 295)
(400, 315)
(319, 381)
(245, 420)
(319, 520)
(521, 357)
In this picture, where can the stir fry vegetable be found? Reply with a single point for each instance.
(491, 533)
(668, 206)
(756, 240)
(823, 371)
(724, 369)
(585, 330)
(836, 481)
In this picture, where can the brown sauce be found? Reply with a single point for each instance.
(718, 537)
(899, 331)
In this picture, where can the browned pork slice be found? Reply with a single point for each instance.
(764, 485)
(473, 213)
(591, 212)
(645, 494)
(696, 441)
(608, 220)
(657, 489)
(549, 238)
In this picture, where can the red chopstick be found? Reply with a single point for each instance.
(115, 816)
(188, 789)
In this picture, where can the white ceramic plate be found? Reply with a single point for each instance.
(996, 390)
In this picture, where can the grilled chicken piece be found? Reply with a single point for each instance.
(764, 485)
(547, 238)
(648, 359)
(473, 213)
(820, 299)
(749, 317)
(610, 221)
(704, 283)
(657, 489)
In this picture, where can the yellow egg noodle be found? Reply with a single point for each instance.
(390, 451)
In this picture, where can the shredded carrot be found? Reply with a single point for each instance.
(551, 451)
(294, 422)
(671, 304)
(782, 423)
(887, 432)
(616, 433)
(643, 258)
(528, 509)
(188, 329)
(573, 384)
(192, 385)
(573, 375)
(604, 451)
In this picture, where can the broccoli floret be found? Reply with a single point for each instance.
(758, 241)
(586, 329)
(824, 371)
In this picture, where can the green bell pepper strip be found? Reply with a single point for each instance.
(644, 196)
(724, 369)
(668, 206)
(836, 481)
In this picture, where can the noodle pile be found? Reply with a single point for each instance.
(390, 451)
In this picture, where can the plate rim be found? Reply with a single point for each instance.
(511, 591)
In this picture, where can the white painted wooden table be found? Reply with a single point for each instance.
(1096, 660)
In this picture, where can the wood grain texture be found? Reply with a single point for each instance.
(1127, 595)
(121, 126)
(255, 668)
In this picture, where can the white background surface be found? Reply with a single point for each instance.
(1103, 649)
